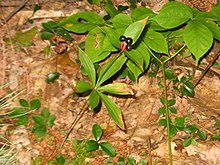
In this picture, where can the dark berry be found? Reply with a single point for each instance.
(129, 41)
(128, 47)
(122, 38)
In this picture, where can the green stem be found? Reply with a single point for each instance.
(167, 114)
(175, 53)
(166, 97)
(153, 54)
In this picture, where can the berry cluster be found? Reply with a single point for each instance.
(125, 43)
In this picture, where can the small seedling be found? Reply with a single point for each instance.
(92, 145)
(60, 160)
(58, 36)
(130, 161)
(42, 121)
(52, 77)
(21, 112)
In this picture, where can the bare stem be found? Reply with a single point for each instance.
(167, 114)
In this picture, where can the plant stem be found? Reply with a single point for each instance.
(167, 114)
(175, 53)
(75, 121)
(153, 54)
(165, 96)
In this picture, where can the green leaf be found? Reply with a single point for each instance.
(121, 21)
(131, 76)
(108, 148)
(134, 69)
(217, 124)
(155, 26)
(45, 113)
(35, 104)
(190, 129)
(141, 13)
(52, 162)
(50, 120)
(36, 7)
(137, 58)
(83, 86)
(206, 16)
(88, 66)
(194, 142)
(110, 68)
(173, 131)
(97, 45)
(156, 41)
(162, 100)
(113, 35)
(133, 4)
(169, 73)
(16, 112)
(161, 110)
(175, 37)
(171, 102)
(97, 132)
(217, 136)
(97, 2)
(26, 38)
(52, 77)
(216, 10)
(187, 142)
(62, 32)
(173, 14)
(121, 161)
(122, 8)
(23, 120)
(81, 22)
(39, 120)
(50, 26)
(179, 121)
(142, 162)
(91, 145)
(188, 89)
(131, 160)
(94, 99)
(173, 110)
(60, 160)
(110, 9)
(39, 130)
(213, 27)
(47, 51)
(135, 29)
(202, 134)
(113, 110)
(162, 122)
(24, 103)
(140, 56)
(116, 88)
(46, 35)
(198, 39)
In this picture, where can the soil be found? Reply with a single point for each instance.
(27, 67)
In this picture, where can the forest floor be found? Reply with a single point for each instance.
(27, 67)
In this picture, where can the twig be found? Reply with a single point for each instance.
(75, 121)
(207, 68)
(149, 147)
(14, 12)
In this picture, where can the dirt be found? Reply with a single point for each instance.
(26, 67)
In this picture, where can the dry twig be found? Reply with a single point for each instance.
(13, 12)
